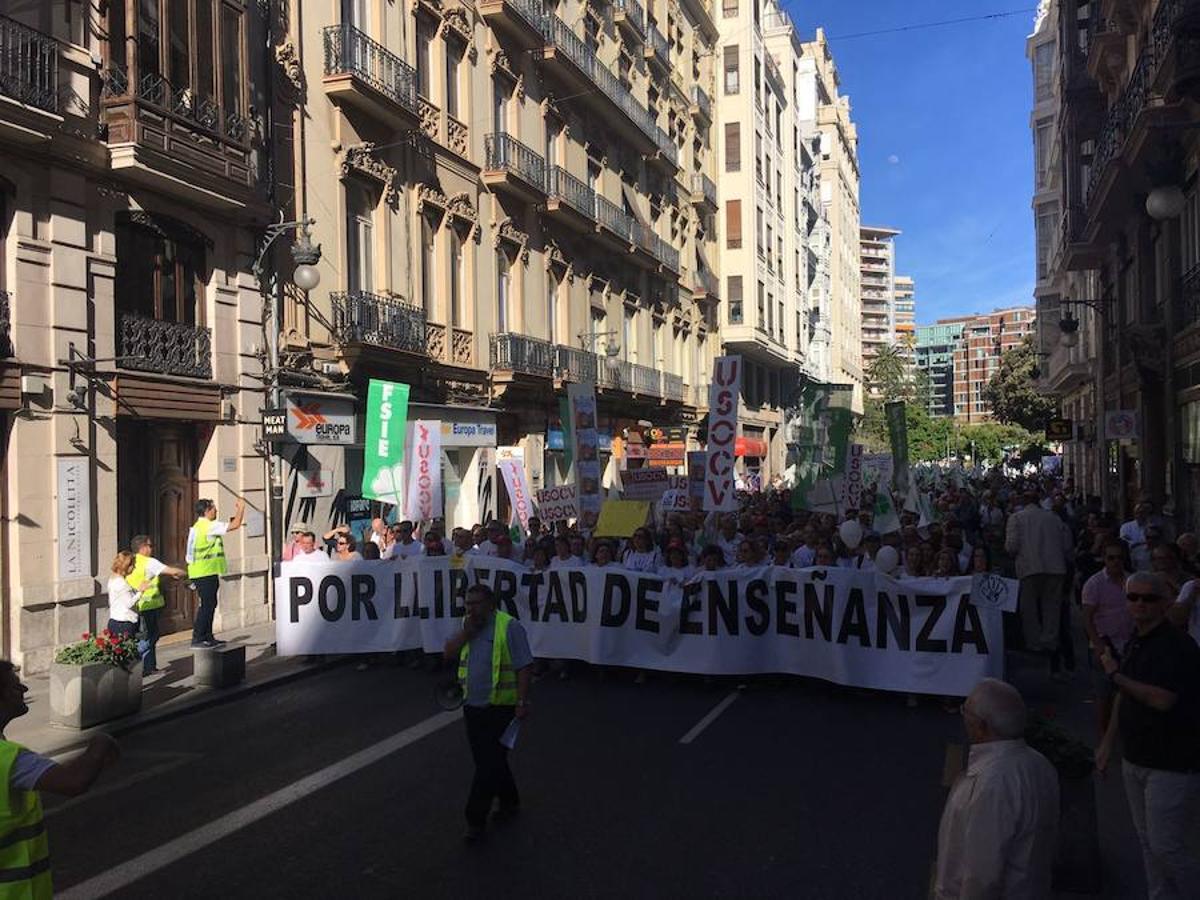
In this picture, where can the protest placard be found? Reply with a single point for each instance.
(620, 518)
(557, 504)
(644, 484)
(424, 471)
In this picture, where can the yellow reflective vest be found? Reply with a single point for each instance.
(152, 597)
(24, 850)
(504, 677)
(208, 552)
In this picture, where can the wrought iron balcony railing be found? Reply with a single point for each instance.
(173, 348)
(522, 354)
(667, 147)
(504, 152)
(349, 51)
(672, 387)
(6, 347)
(560, 36)
(645, 380)
(703, 186)
(360, 317)
(565, 186)
(657, 43)
(613, 218)
(709, 281)
(701, 101)
(635, 14)
(180, 103)
(28, 65)
(665, 253)
(579, 366)
(531, 11)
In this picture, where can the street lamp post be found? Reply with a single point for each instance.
(306, 255)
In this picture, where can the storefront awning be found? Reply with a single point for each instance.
(748, 446)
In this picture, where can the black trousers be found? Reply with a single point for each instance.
(207, 588)
(150, 620)
(493, 779)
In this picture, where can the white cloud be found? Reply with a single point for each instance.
(893, 160)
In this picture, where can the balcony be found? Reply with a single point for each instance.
(655, 51)
(667, 157)
(1187, 313)
(569, 200)
(514, 167)
(6, 347)
(458, 350)
(520, 354)
(672, 387)
(701, 106)
(523, 21)
(630, 16)
(568, 57)
(1105, 47)
(178, 143)
(612, 222)
(706, 285)
(1165, 70)
(366, 75)
(171, 348)
(360, 317)
(704, 191)
(578, 366)
(665, 253)
(28, 66)
(611, 373)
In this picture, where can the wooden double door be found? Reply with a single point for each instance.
(156, 495)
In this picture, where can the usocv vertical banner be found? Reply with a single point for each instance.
(719, 491)
(425, 471)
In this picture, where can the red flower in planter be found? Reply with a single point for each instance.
(87, 635)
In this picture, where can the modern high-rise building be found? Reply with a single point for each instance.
(877, 278)
(905, 308)
(933, 354)
(985, 339)
(773, 256)
(820, 102)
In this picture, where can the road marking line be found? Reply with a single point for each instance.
(709, 719)
(124, 874)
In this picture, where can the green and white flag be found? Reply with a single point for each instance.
(820, 439)
(897, 425)
(885, 520)
(383, 451)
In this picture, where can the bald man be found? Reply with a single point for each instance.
(1000, 824)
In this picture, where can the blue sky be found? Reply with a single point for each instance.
(944, 142)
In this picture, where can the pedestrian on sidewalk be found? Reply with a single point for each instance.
(147, 570)
(206, 564)
(1157, 715)
(494, 671)
(999, 828)
(1042, 545)
(1106, 620)
(24, 848)
(124, 595)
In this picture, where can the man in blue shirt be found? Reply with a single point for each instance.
(495, 671)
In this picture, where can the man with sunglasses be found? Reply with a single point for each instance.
(1157, 714)
(1106, 619)
(404, 546)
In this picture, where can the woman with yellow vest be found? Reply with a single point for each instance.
(147, 570)
(494, 670)
(206, 564)
(24, 849)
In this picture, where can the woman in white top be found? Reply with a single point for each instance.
(641, 555)
(122, 598)
(676, 567)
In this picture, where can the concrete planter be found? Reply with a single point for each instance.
(85, 695)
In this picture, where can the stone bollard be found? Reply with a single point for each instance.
(220, 667)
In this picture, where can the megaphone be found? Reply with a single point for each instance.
(449, 695)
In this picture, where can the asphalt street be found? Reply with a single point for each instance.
(793, 790)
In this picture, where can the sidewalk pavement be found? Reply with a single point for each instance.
(167, 695)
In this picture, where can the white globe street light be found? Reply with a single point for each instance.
(1165, 202)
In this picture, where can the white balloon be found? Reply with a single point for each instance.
(886, 559)
(851, 534)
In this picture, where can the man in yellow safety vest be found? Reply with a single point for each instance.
(147, 568)
(24, 849)
(206, 564)
(494, 671)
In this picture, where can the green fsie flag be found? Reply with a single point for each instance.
(383, 452)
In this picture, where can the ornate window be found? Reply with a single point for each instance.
(160, 268)
(185, 57)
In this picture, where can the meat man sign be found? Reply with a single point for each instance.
(719, 493)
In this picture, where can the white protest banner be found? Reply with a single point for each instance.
(991, 591)
(513, 472)
(674, 500)
(557, 504)
(848, 626)
(585, 448)
(852, 481)
(719, 489)
(877, 468)
(424, 470)
(644, 484)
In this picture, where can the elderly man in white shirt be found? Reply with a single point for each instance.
(1000, 825)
